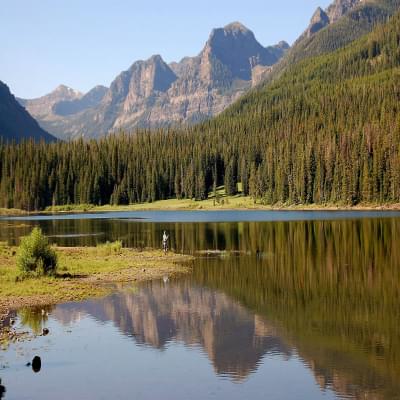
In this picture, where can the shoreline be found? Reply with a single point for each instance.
(84, 272)
(191, 205)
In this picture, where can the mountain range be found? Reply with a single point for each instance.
(152, 93)
(321, 130)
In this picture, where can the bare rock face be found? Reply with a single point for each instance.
(341, 7)
(236, 49)
(75, 105)
(334, 12)
(42, 106)
(153, 94)
(318, 21)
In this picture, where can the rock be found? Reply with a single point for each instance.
(333, 13)
(45, 331)
(341, 7)
(152, 93)
(2, 390)
(318, 21)
(36, 364)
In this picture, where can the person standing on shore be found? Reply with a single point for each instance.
(165, 242)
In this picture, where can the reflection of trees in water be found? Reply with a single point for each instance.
(35, 317)
(234, 339)
(261, 237)
(334, 288)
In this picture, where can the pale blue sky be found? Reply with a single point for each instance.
(82, 43)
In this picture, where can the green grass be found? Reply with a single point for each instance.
(219, 202)
(81, 272)
(70, 207)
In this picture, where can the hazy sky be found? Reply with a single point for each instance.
(82, 43)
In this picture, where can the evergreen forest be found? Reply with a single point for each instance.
(327, 131)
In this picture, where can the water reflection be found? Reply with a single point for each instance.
(35, 317)
(333, 288)
(234, 339)
(325, 291)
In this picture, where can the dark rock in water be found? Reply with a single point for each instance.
(2, 390)
(36, 364)
(28, 364)
(12, 321)
(45, 331)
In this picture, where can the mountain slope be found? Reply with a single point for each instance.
(15, 122)
(326, 132)
(340, 24)
(328, 129)
(153, 94)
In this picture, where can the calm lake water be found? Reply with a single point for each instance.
(280, 305)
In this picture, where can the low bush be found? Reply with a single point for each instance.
(35, 256)
(110, 248)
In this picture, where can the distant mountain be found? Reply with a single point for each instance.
(325, 132)
(79, 103)
(16, 123)
(152, 93)
(43, 106)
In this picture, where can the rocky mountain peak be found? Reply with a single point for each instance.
(75, 105)
(233, 48)
(141, 80)
(150, 76)
(236, 27)
(335, 11)
(282, 45)
(318, 21)
(66, 92)
(151, 93)
(341, 7)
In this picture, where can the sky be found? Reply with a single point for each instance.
(84, 43)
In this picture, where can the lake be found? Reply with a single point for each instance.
(279, 305)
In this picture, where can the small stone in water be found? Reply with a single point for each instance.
(36, 364)
(45, 331)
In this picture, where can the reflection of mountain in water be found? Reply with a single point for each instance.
(332, 288)
(234, 339)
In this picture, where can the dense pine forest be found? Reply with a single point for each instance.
(327, 131)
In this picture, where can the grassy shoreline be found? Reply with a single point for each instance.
(225, 203)
(83, 273)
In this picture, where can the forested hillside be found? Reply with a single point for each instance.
(327, 131)
(335, 33)
(16, 123)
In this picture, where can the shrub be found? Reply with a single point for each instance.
(35, 254)
(107, 249)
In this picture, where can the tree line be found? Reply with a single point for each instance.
(327, 131)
